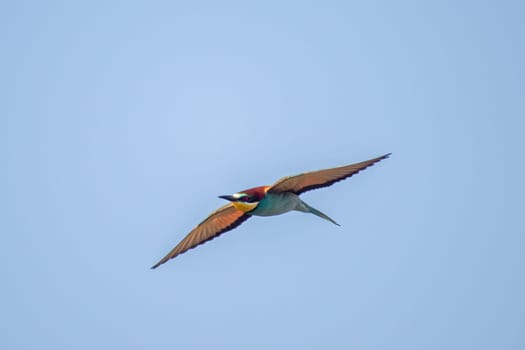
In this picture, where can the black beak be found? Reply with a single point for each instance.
(229, 198)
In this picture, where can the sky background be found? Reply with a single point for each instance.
(121, 123)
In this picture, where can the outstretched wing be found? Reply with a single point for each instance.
(223, 219)
(320, 178)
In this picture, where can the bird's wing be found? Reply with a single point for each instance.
(320, 178)
(223, 219)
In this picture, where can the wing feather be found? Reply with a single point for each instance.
(222, 220)
(320, 178)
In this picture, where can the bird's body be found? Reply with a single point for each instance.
(280, 198)
(277, 204)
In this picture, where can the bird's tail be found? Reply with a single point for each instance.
(308, 209)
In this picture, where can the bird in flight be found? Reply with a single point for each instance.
(279, 198)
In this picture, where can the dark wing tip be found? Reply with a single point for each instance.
(378, 159)
(162, 261)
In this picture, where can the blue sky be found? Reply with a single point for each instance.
(122, 122)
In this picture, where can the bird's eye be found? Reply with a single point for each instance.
(246, 199)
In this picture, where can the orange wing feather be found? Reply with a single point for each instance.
(223, 219)
(320, 178)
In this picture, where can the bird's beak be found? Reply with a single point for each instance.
(229, 198)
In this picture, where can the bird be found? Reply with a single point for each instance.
(279, 198)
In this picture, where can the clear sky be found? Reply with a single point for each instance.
(121, 123)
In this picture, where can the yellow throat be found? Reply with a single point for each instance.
(245, 207)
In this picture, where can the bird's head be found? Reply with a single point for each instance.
(247, 200)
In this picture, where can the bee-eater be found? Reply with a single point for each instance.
(279, 198)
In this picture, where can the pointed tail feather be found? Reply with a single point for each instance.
(314, 211)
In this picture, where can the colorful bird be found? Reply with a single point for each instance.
(280, 198)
